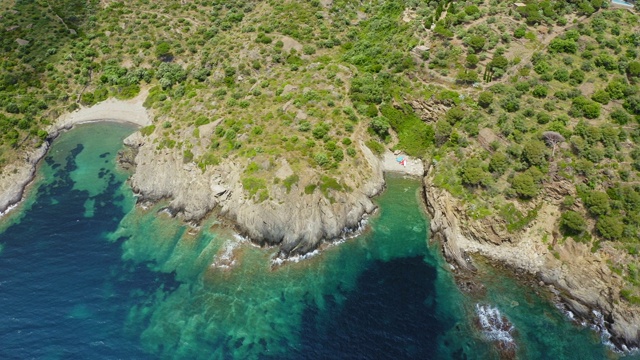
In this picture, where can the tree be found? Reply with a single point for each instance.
(572, 223)
(524, 185)
(552, 139)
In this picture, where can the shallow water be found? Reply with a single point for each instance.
(83, 274)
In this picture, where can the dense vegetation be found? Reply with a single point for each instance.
(526, 99)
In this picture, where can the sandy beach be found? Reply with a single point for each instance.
(130, 111)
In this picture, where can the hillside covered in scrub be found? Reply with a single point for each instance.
(270, 113)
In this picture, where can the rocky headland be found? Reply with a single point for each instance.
(580, 278)
(294, 219)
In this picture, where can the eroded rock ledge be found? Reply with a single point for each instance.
(581, 279)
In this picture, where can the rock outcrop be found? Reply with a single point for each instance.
(16, 176)
(292, 219)
(580, 278)
(429, 110)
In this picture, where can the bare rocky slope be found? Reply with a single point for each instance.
(581, 279)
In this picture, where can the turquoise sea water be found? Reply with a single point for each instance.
(84, 274)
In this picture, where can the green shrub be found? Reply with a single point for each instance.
(252, 185)
(485, 99)
(572, 223)
(290, 181)
(610, 227)
(524, 185)
(147, 130)
(309, 189)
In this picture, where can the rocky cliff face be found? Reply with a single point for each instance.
(580, 278)
(16, 176)
(291, 219)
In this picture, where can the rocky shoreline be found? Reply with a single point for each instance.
(579, 279)
(298, 224)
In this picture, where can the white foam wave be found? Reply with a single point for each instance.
(600, 326)
(494, 326)
(226, 259)
(347, 234)
(8, 210)
(295, 259)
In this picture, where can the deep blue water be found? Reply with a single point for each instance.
(84, 275)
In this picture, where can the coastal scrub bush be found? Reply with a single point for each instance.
(471, 173)
(322, 159)
(253, 184)
(485, 99)
(601, 96)
(598, 203)
(375, 147)
(380, 126)
(499, 163)
(572, 223)
(290, 181)
(524, 185)
(540, 91)
(610, 227)
(535, 153)
(147, 130)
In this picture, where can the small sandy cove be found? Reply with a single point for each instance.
(130, 111)
(17, 175)
(412, 166)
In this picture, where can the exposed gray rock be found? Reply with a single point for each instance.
(293, 220)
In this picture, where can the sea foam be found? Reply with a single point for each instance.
(494, 325)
